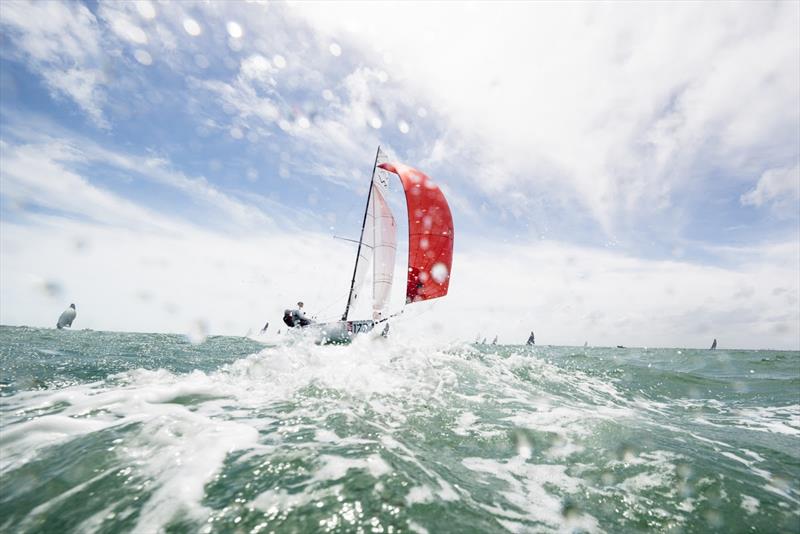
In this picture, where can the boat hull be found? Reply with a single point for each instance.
(338, 332)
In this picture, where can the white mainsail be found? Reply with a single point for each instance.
(384, 244)
(363, 262)
(377, 249)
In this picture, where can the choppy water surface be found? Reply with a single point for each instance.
(110, 432)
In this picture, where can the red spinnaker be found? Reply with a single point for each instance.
(430, 234)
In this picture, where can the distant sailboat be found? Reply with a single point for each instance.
(585, 344)
(430, 249)
(494, 341)
(483, 342)
(531, 339)
(66, 317)
(714, 344)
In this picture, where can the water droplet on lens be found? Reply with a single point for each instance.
(335, 50)
(143, 57)
(146, 9)
(439, 273)
(234, 30)
(192, 27)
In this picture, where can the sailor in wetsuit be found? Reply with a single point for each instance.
(296, 317)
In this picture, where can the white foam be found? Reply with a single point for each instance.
(750, 504)
(526, 484)
(419, 494)
(336, 467)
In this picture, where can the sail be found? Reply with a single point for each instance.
(364, 259)
(384, 243)
(430, 234)
(377, 248)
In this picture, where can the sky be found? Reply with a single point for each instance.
(618, 173)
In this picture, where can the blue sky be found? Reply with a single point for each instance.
(662, 141)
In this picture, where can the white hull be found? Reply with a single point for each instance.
(339, 332)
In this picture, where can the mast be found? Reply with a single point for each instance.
(361, 238)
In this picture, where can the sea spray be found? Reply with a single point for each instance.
(146, 432)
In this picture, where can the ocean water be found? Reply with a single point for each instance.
(113, 432)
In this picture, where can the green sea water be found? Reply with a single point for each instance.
(119, 432)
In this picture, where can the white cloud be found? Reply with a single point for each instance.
(37, 175)
(63, 43)
(43, 170)
(149, 281)
(621, 106)
(779, 188)
(139, 280)
(569, 295)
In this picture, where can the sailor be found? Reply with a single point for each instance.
(531, 339)
(299, 316)
(67, 316)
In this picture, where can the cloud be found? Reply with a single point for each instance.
(141, 280)
(50, 171)
(63, 43)
(153, 281)
(779, 188)
(570, 294)
(37, 176)
(617, 107)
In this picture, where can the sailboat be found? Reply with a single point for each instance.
(430, 250)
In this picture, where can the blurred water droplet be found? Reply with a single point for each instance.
(234, 30)
(383, 77)
(327, 94)
(143, 57)
(523, 445)
(683, 470)
(335, 50)
(279, 61)
(626, 452)
(236, 133)
(422, 112)
(192, 27)
(375, 122)
(714, 518)
(403, 127)
(52, 288)
(439, 273)
(146, 9)
(234, 44)
(198, 331)
(303, 122)
(570, 510)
